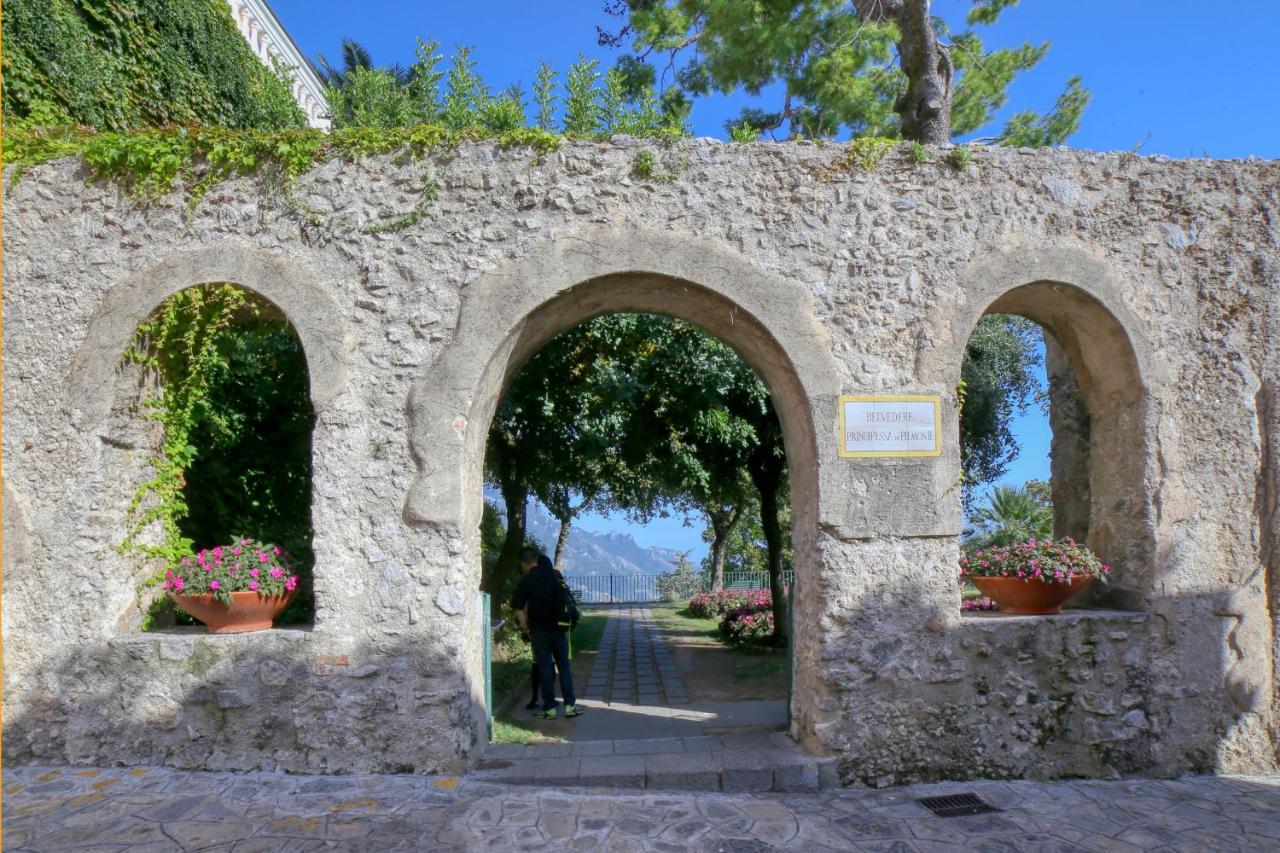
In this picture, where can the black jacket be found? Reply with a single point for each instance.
(542, 589)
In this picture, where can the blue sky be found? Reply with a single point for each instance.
(1174, 77)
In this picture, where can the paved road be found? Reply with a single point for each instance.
(146, 810)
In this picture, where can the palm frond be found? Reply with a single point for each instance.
(355, 55)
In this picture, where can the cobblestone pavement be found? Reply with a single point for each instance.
(152, 809)
(634, 664)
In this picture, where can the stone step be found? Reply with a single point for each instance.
(745, 763)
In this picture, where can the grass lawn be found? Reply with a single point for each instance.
(745, 669)
(680, 624)
(512, 660)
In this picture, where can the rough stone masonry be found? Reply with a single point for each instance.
(1159, 281)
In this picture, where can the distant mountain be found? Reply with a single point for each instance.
(588, 553)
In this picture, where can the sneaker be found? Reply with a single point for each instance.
(546, 715)
(572, 711)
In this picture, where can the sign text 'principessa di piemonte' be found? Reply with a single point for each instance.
(890, 426)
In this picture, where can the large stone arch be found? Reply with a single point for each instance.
(1073, 294)
(300, 294)
(512, 312)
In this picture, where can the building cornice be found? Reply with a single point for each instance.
(270, 41)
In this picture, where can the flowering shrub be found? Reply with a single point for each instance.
(1051, 560)
(243, 566)
(748, 626)
(979, 603)
(709, 605)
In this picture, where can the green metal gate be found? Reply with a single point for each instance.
(486, 625)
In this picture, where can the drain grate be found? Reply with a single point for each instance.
(957, 805)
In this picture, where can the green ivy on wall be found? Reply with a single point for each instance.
(122, 64)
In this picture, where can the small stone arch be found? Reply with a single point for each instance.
(94, 384)
(299, 294)
(1073, 294)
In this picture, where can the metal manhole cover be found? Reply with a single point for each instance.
(956, 805)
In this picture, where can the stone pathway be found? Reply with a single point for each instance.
(149, 810)
(736, 763)
(633, 664)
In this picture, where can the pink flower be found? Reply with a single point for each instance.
(217, 552)
(276, 572)
(262, 557)
(291, 583)
(253, 584)
(218, 560)
(177, 584)
(236, 551)
(253, 573)
(200, 558)
(244, 541)
(213, 584)
(276, 551)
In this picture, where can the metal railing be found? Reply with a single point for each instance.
(625, 589)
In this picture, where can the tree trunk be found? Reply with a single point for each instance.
(516, 497)
(773, 538)
(767, 468)
(506, 465)
(722, 525)
(562, 540)
(925, 107)
(718, 547)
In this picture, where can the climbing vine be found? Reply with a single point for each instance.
(152, 163)
(180, 347)
(121, 64)
(229, 394)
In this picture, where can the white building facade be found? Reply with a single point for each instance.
(271, 42)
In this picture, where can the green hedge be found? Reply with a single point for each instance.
(122, 64)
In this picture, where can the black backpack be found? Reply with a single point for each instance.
(566, 609)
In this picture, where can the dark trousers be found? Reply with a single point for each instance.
(551, 653)
(535, 683)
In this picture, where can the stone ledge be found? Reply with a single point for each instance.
(977, 617)
(180, 643)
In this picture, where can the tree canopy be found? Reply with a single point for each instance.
(998, 382)
(1012, 514)
(633, 412)
(867, 67)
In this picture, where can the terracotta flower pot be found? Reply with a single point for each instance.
(248, 611)
(1030, 597)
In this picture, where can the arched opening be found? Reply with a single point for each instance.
(512, 311)
(452, 408)
(642, 415)
(1093, 405)
(222, 376)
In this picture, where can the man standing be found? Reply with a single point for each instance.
(544, 607)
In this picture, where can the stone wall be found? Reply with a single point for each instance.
(1158, 278)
